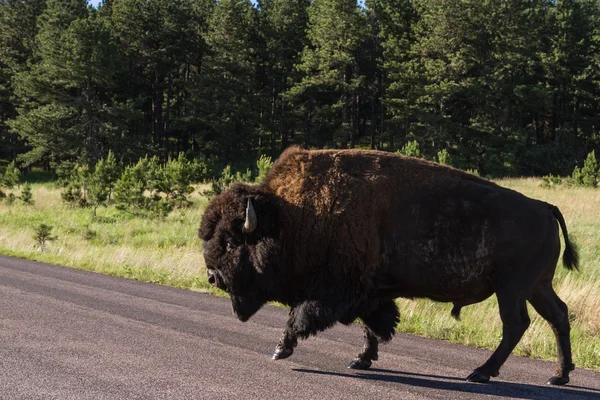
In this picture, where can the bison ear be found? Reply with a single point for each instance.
(210, 219)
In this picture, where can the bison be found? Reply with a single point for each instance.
(339, 234)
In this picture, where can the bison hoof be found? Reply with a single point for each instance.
(282, 352)
(478, 377)
(359, 363)
(558, 381)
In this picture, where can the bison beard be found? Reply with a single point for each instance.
(338, 235)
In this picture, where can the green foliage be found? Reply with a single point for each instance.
(151, 187)
(551, 181)
(588, 175)
(444, 157)
(226, 179)
(43, 235)
(89, 234)
(77, 183)
(11, 176)
(590, 171)
(26, 195)
(106, 173)
(9, 180)
(510, 87)
(177, 177)
(264, 165)
(411, 149)
(10, 199)
(131, 188)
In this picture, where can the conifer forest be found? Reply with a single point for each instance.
(503, 87)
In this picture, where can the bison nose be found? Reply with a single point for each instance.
(212, 278)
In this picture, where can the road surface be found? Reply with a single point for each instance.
(69, 334)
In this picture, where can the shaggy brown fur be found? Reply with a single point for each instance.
(342, 233)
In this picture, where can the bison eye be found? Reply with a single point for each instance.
(230, 247)
(231, 244)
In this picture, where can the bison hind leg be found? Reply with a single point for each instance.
(379, 325)
(555, 311)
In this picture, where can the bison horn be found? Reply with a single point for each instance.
(251, 220)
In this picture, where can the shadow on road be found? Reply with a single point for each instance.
(495, 388)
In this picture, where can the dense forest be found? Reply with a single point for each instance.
(506, 87)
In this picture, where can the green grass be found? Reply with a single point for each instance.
(167, 251)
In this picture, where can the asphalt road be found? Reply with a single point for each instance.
(68, 334)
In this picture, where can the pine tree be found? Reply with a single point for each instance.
(165, 49)
(327, 96)
(65, 111)
(227, 95)
(18, 29)
(283, 25)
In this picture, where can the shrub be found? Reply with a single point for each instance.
(150, 187)
(221, 184)
(9, 180)
(89, 234)
(43, 234)
(588, 175)
(264, 165)
(106, 173)
(26, 195)
(551, 181)
(131, 186)
(411, 149)
(75, 183)
(177, 177)
(444, 157)
(11, 176)
(590, 171)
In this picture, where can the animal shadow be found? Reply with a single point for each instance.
(455, 384)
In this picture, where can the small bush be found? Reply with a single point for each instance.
(473, 172)
(551, 181)
(131, 187)
(89, 234)
(590, 171)
(11, 176)
(26, 195)
(227, 178)
(148, 187)
(588, 175)
(444, 157)
(43, 235)
(411, 149)
(106, 173)
(264, 165)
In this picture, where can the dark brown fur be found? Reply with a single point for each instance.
(342, 233)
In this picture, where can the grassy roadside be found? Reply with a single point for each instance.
(167, 251)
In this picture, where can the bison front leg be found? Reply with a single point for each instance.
(379, 325)
(306, 318)
(369, 353)
(515, 321)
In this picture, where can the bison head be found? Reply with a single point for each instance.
(240, 230)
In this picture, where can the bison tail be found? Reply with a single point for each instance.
(571, 255)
